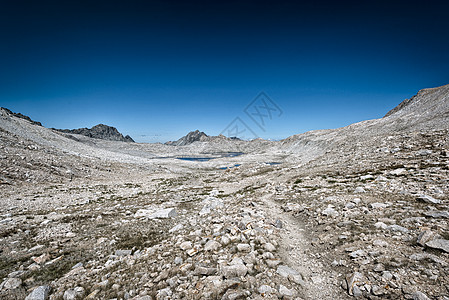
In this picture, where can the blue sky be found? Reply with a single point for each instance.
(158, 69)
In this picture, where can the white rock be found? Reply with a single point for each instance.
(398, 172)
(329, 211)
(243, 247)
(236, 270)
(377, 205)
(39, 293)
(265, 289)
(381, 225)
(352, 281)
(428, 199)
(398, 228)
(176, 228)
(11, 283)
(285, 292)
(440, 244)
(225, 240)
(419, 296)
(164, 214)
(178, 260)
(74, 294)
(285, 271)
(269, 247)
(212, 245)
(359, 190)
(380, 243)
(186, 245)
(211, 203)
(160, 214)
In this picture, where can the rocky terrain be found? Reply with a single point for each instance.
(355, 212)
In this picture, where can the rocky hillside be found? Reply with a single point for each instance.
(428, 110)
(19, 115)
(100, 131)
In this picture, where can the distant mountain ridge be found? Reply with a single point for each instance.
(100, 131)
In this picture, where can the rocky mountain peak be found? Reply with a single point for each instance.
(192, 136)
(100, 131)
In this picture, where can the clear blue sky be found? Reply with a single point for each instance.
(158, 69)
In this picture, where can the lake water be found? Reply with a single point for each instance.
(217, 155)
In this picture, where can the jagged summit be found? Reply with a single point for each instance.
(192, 136)
(199, 136)
(99, 131)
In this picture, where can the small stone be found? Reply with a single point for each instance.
(357, 253)
(380, 243)
(398, 172)
(419, 296)
(379, 268)
(352, 281)
(387, 275)
(265, 290)
(278, 224)
(78, 265)
(285, 271)
(39, 293)
(424, 237)
(440, 244)
(356, 292)
(243, 247)
(377, 205)
(225, 240)
(178, 260)
(438, 214)
(330, 212)
(205, 271)
(11, 283)
(269, 247)
(381, 225)
(160, 214)
(176, 228)
(74, 294)
(350, 205)
(359, 190)
(428, 199)
(398, 228)
(272, 263)
(285, 292)
(123, 252)
(236, 270)
(212, 245)
(376, 290)
(164, 293)
(70, 234)
(186, 245)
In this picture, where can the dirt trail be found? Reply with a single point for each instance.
(319, 283)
